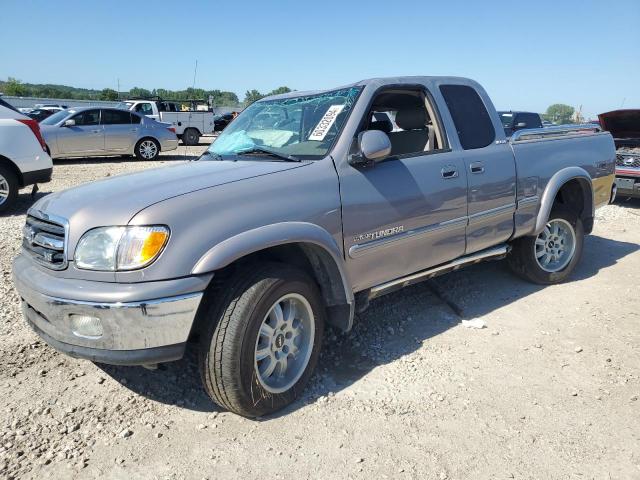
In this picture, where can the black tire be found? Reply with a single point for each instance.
(191, 136)
(141, 155)
(228, 344)
(522, 258)
(7, 175)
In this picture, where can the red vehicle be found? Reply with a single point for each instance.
(624, 125)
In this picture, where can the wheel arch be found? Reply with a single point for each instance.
(147, 137)
(302, 244)
(571, 186)
(14, 168)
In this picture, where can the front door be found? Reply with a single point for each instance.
(85, 137)
(408, 212)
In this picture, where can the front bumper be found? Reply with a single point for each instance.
(628, 182)
(133, 332)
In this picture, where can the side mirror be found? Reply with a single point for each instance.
(521, 125)
(69, 123)
(374, 145)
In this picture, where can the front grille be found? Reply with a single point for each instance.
(628, 160)
(44, 240)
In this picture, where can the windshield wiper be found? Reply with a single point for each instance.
(207, 153)
(254, 150)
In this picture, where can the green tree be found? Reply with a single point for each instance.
(559, 113)
(108, 94)
(252, 96)
(139, 92)
(15, 88)
(280, 90)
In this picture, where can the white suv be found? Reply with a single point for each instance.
(23, 154)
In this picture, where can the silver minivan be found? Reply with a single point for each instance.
(91, 131)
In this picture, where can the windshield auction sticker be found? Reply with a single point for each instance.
(326, 122)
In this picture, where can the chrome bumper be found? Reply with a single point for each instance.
(128, 328)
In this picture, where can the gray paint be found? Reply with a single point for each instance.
(219, 212)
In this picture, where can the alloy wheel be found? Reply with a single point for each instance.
(555, 245)
(284, 343)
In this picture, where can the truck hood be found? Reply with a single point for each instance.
(115, 200)
(621, 123)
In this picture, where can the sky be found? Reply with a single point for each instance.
(527, 55)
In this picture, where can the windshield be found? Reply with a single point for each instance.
(57, 117)
(506, 118)
(303, 127)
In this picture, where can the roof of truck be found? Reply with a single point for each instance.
(374, 81)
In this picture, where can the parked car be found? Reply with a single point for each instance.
(514, 121)
(40, 114)
(91, 131)
(189, 125)
(221, 121)
(348, 194)
(624, 125)
(23, 156)
(51, 105)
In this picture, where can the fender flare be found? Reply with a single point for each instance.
(238, 246)
(557, 181)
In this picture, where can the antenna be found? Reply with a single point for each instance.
(623, 100)
(195, 71)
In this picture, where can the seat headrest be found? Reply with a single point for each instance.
(384, 125)
(412, 119)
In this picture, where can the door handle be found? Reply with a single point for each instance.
(477, 167)
(449, 171)
(95, 131)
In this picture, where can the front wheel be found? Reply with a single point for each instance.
(263, 339)
(147, 149)
(552, 255)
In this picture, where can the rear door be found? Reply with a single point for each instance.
(489, 164)
(119, 134)
(85, 137)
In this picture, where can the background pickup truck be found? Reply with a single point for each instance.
(514, 121)
(190, 125)
(624, 125)
(307, 206)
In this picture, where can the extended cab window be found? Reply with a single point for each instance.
(470, 116)
(408, 117)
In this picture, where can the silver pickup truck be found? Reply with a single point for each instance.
(306, 207)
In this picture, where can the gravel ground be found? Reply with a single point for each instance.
(549, 389)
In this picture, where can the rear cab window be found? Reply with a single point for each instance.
(470, 116)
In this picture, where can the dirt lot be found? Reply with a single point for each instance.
(548, 390)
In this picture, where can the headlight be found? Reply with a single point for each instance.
(120, 248)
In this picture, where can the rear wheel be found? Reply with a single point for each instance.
(8, 188)
(191, 136)
(263, 339)
(552, 255)
(147, 149)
